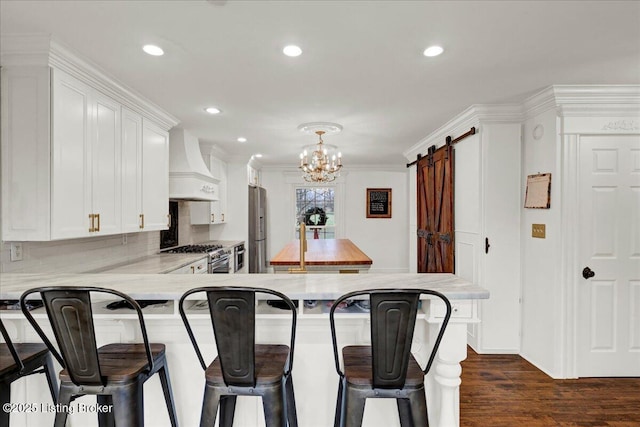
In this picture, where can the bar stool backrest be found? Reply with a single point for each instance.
(393, 319)
(233, 315)
(393, 315)
(71, 317)
(233, 312)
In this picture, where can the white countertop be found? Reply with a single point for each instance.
(153, 264)
(295, 286)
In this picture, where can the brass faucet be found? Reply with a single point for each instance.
(303, 249)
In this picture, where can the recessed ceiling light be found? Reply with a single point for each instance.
(258, 155)
(292, 50)
(153, 50)
(433, 51)
(242, 139)
(213, 110)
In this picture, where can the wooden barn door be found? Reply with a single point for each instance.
(435, 211)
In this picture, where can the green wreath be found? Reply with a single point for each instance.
(318, 213)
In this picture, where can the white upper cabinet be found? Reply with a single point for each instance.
(81, 155)
(145, 174)
(213, 212)
(131, 171)
(155, 177)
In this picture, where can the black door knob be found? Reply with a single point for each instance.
(587, 273)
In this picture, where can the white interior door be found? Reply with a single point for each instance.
(608, 332)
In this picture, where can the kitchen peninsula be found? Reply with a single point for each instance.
(313, 369)
(323, 255)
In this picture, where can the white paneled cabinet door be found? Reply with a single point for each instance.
(155, 177)
(71, 151)
(131, 171)
(608, 341)
(106, 166)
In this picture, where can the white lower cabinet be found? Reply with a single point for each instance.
(196, 267)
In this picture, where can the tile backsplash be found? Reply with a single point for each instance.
(92, 253)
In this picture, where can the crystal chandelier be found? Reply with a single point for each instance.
(321, 167)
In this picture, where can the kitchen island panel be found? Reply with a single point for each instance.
(315, 380)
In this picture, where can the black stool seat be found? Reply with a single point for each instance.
(18, 360)
(122, 363)
(357, 368)
(270, 361)
(27, 352)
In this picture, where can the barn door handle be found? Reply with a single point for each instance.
(587, 273)
(486, 245)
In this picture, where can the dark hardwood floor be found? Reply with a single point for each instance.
(506, 390)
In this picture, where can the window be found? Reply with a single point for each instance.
(316, 207)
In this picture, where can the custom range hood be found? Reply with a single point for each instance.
(189, 177)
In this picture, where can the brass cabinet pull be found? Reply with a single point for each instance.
(193, 269)
(222, 217)
(141, 221)
(213, 217)
(98, 216)
(91, 227)
(169, 218)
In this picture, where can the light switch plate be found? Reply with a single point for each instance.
(538, 230)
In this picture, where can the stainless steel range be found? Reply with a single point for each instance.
(218, 256)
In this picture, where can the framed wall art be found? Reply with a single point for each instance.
(378, 203)
(538, 194)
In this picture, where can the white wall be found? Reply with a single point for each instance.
(540, 261)
(385, 241)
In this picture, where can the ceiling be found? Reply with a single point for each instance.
(362, 64)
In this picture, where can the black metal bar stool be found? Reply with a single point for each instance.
(18, 360)
(243, 367)
(113, 372)
(386, 368)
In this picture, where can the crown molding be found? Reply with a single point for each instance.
(43, 50)
(474, 116)
(585, 101)
(567, 100)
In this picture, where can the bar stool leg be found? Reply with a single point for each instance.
(51, 378)
(64, 400)
(354, 407)
(5, 397)
(168, 394)
(210, 403)
(273, 406)
(418, 404)
(404, 410)
(128, 405)
(106, 419)
(227, 410)
(290, 403)
(338, 420)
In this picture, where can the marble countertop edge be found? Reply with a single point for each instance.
(303, 286)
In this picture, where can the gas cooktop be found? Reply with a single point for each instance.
(195, 249)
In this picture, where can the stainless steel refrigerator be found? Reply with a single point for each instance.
(257, 230)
